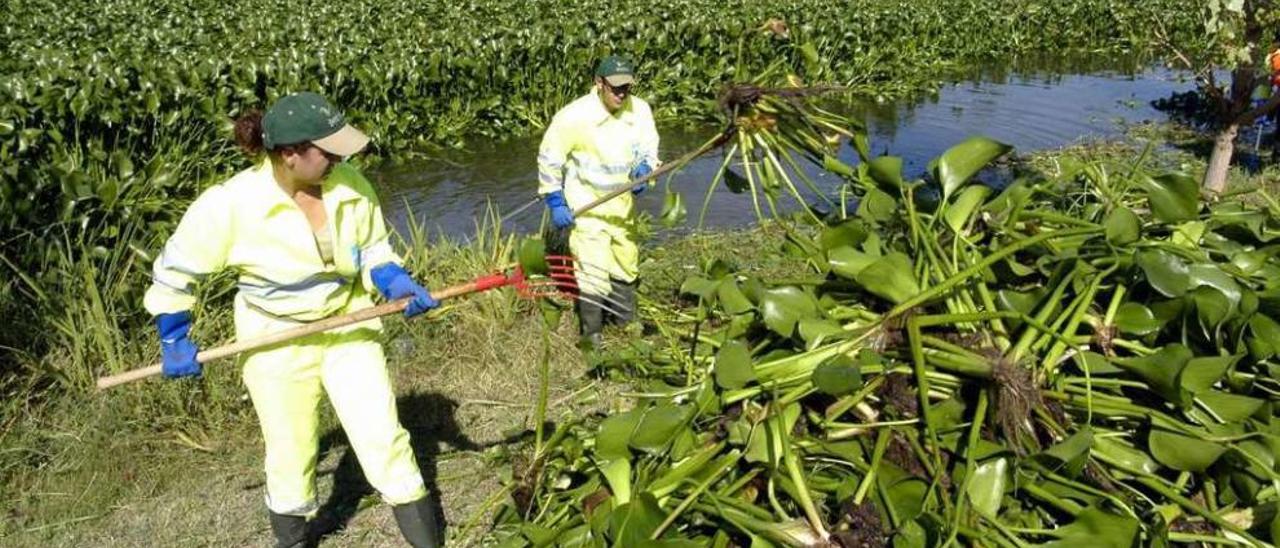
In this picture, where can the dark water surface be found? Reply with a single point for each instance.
(1028, 110)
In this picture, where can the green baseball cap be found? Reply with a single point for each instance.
(618, 71)
(306, 116)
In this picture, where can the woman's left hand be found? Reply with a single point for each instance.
(422, 300)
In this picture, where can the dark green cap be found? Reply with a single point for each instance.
(618, 71)
(308, 117)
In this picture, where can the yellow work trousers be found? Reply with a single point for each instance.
(286, 383)
(603, 250)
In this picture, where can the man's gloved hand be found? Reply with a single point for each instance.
(177, 351)
(639, 172)
(561, 215)
(394, 284)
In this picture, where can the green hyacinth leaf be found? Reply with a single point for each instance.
(961, 162)
(1183, 453)
(1123, 227)
(733, 367)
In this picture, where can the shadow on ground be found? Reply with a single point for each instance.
(430, 418)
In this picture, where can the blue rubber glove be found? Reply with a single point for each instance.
(640, 171)
(561, 215)
(394, 283)
(1261, 121)
(177, 351)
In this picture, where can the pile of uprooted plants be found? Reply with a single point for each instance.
(1083, 356)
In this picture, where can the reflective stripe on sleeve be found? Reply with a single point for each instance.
(180, 287)
(547, 162)
(376, 254)
(172, 258)
(548, 179)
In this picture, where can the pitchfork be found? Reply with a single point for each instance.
(557, 277)
(559, 281)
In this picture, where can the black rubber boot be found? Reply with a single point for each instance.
(417, 521)
(290, 531)
(590, 322)
(623, 296)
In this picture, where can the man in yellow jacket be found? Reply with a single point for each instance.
(304, 232)
(599, 143)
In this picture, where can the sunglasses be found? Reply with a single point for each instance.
(620, 91)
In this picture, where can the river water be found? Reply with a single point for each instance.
(1030, 110)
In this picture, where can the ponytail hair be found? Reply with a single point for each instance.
(248, 130)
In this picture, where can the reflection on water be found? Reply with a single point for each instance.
(1030, 110)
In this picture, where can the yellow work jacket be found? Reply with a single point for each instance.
(250, 225)
(589, 152)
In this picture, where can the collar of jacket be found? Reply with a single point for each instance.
(600, 115)
(334, 188)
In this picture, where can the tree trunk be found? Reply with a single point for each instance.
(1224, 145)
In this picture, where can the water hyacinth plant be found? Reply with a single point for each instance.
(1079, 356)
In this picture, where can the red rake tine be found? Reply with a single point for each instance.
(562, 267)
(549, 289)
(566, 264)
(524, 283)
(563, 276)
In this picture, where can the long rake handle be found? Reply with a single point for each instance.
(474, 286)
(705, 148)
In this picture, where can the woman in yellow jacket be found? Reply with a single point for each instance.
(304, 231)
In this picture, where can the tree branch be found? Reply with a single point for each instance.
(1203, 75)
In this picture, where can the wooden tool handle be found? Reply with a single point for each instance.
(705, 148)
(326, 324)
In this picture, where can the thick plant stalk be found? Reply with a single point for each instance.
(1199, 510)
(1055, 352)
(720, 173)
(970, 461)
(922, 383)
(544, 383)
(789, 460)
(667, 484)
(976, 268)
(722, 467)
(882, 442)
